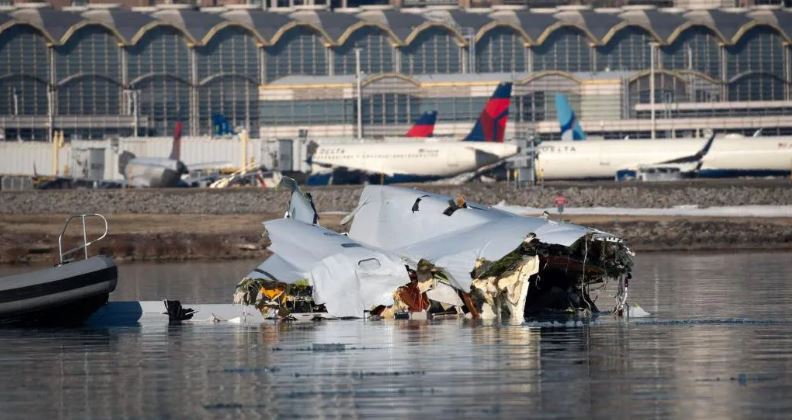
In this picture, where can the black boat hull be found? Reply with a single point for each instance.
(60, 296)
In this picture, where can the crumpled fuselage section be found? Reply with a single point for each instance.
(410, 253)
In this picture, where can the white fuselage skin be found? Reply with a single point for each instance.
(426, 158)
(603, 158)
(153, 172)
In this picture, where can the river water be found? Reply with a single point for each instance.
(718, 345)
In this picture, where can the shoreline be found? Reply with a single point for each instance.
(209, 224)
(32, 238)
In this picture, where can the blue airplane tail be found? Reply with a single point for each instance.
(221, 125)
(570, 126)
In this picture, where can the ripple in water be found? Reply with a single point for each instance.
(719, 344)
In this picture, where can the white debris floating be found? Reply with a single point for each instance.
(414, 254)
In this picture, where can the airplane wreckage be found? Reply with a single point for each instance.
(414, 255)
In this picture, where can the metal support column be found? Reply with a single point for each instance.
(193, 116)
(359, 94)
(652, 87)
(724, 77)
(52, 95)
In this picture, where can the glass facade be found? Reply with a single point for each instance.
(539, 106)
(455, 108)
(228, 79)
(158, 67)
(629, 49)
(24, 70)
(297, 113)
(94, 79)
(696, 49)
(376, 52)
(88, 73)
(755, 66)
(565, 49)
(433, 51)
(299, 51)
(668, 90)
(388, 109)
(501, 50)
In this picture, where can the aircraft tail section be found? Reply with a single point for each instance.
(221, 126)
(491, 124)
(570, 126)
(175, 153)
(424, 125)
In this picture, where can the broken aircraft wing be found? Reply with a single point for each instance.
(347, 277)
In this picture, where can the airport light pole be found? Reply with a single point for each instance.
(653, 50)
(16, 113)
(359, 94)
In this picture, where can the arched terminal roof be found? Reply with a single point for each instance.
(53, 23)
(403, 26)
(267, 24)
(127, 24)
(198, 25)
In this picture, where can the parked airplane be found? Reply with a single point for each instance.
(725, 156)
(430, 159)
(152, 171)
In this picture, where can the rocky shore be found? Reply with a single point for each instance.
(345, 198)
(221, 224)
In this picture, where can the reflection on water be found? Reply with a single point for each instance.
(719, 345)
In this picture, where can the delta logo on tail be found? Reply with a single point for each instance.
(424, 125)
(491, 124)
(570, 126)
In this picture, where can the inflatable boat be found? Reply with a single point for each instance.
(64, 295)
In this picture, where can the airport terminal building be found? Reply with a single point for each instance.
(102, 71)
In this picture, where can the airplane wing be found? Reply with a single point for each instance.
(696, 158)
(685, 164)
(356, 167)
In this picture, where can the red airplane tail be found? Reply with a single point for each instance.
(175, 153)
(424, 125)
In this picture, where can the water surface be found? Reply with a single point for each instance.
(719, 345)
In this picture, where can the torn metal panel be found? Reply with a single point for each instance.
(445, 294)
(346, 276)
(503, 296)
(274, 268)
(412, 224)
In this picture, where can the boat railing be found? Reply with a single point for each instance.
(86, 242)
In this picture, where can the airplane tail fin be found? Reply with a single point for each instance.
(175, 153)
(424, 125)
(221, 125)
(491, 124)
(570, 126)
(123, 161)
(301, 205)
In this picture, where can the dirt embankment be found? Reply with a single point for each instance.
(218, 224)
(161, 237)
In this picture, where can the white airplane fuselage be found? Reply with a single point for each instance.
(413, 158)
(729, 156)
(153, 172)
